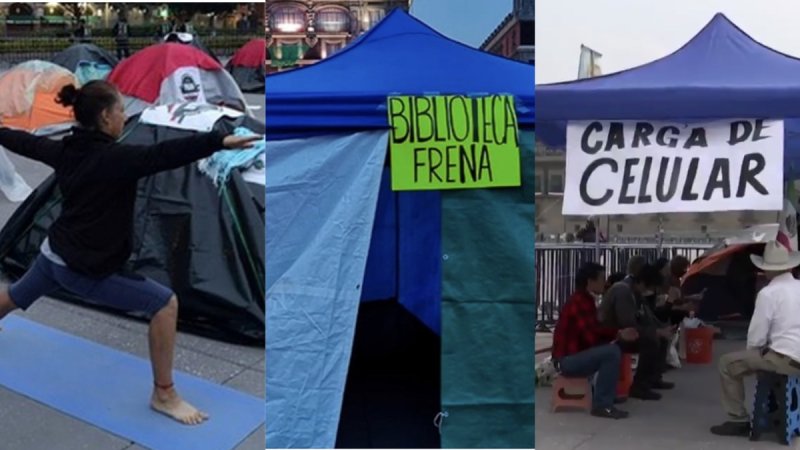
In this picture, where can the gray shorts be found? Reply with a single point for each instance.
(126, 293)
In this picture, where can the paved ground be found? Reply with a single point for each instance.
(543, 343)
(28, 425)
(679, 421)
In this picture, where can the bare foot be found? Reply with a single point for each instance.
(169, 403)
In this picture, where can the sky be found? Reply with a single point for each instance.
(466, 21)
(629, 33)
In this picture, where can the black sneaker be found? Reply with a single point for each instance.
(732, 429)
(643, 393)
(610, 413)
(662, 385)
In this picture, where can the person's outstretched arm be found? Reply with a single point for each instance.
(25, 144)
(139, 161)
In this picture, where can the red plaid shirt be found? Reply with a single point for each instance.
(578, 328)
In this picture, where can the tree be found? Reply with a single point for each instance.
(119, 8)
(76, 10)
(190, 9)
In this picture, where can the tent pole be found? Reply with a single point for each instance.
(397, 278)
(660, 233)
(596, 239)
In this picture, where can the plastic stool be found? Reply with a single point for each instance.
(625, 375)
(562, 399)
(776, 406)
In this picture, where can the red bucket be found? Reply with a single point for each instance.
(625, 376)
(699, 345)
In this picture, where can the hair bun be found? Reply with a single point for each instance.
(68, 95)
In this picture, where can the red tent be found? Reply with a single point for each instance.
(174, 73)
(248, 65)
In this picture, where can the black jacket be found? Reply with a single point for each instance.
(98, 181)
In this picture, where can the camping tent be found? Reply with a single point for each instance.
(189, 39)
(87, 61)
(174, 73)
(205, 242)
(459, 262)
(247, 65)
(29, 96)
(727, 276)
(29, 103)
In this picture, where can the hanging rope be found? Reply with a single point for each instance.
(437, 421)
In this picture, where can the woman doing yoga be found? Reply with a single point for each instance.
(87, 246)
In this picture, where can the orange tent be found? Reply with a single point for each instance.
(716, 260)
(29, 95)
(715, 263)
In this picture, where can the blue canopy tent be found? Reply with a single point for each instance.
(399, 56)
(720, 73)
(328, 186)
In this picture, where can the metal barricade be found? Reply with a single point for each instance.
(557, 264)
(15, 50)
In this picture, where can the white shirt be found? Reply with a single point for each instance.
(776, 319)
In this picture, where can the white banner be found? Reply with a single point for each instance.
(637, 167)
(187, 116)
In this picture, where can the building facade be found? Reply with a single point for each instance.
(302, 32)
(514, 37)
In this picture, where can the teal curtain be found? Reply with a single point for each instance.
(287, 55)
(489, 314)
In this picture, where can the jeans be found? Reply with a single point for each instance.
(603, 360)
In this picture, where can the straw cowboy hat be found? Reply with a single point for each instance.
(777, 258)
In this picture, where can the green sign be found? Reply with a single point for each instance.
(453, 142)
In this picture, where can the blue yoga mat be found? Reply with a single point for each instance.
(111, 390)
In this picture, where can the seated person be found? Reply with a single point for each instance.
(678, 266)
(624, 306)
(613, 279)
(670, 305)
(635, 265)
(581, 347)
(773, 339)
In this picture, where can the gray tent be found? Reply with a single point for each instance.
(87, 61)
